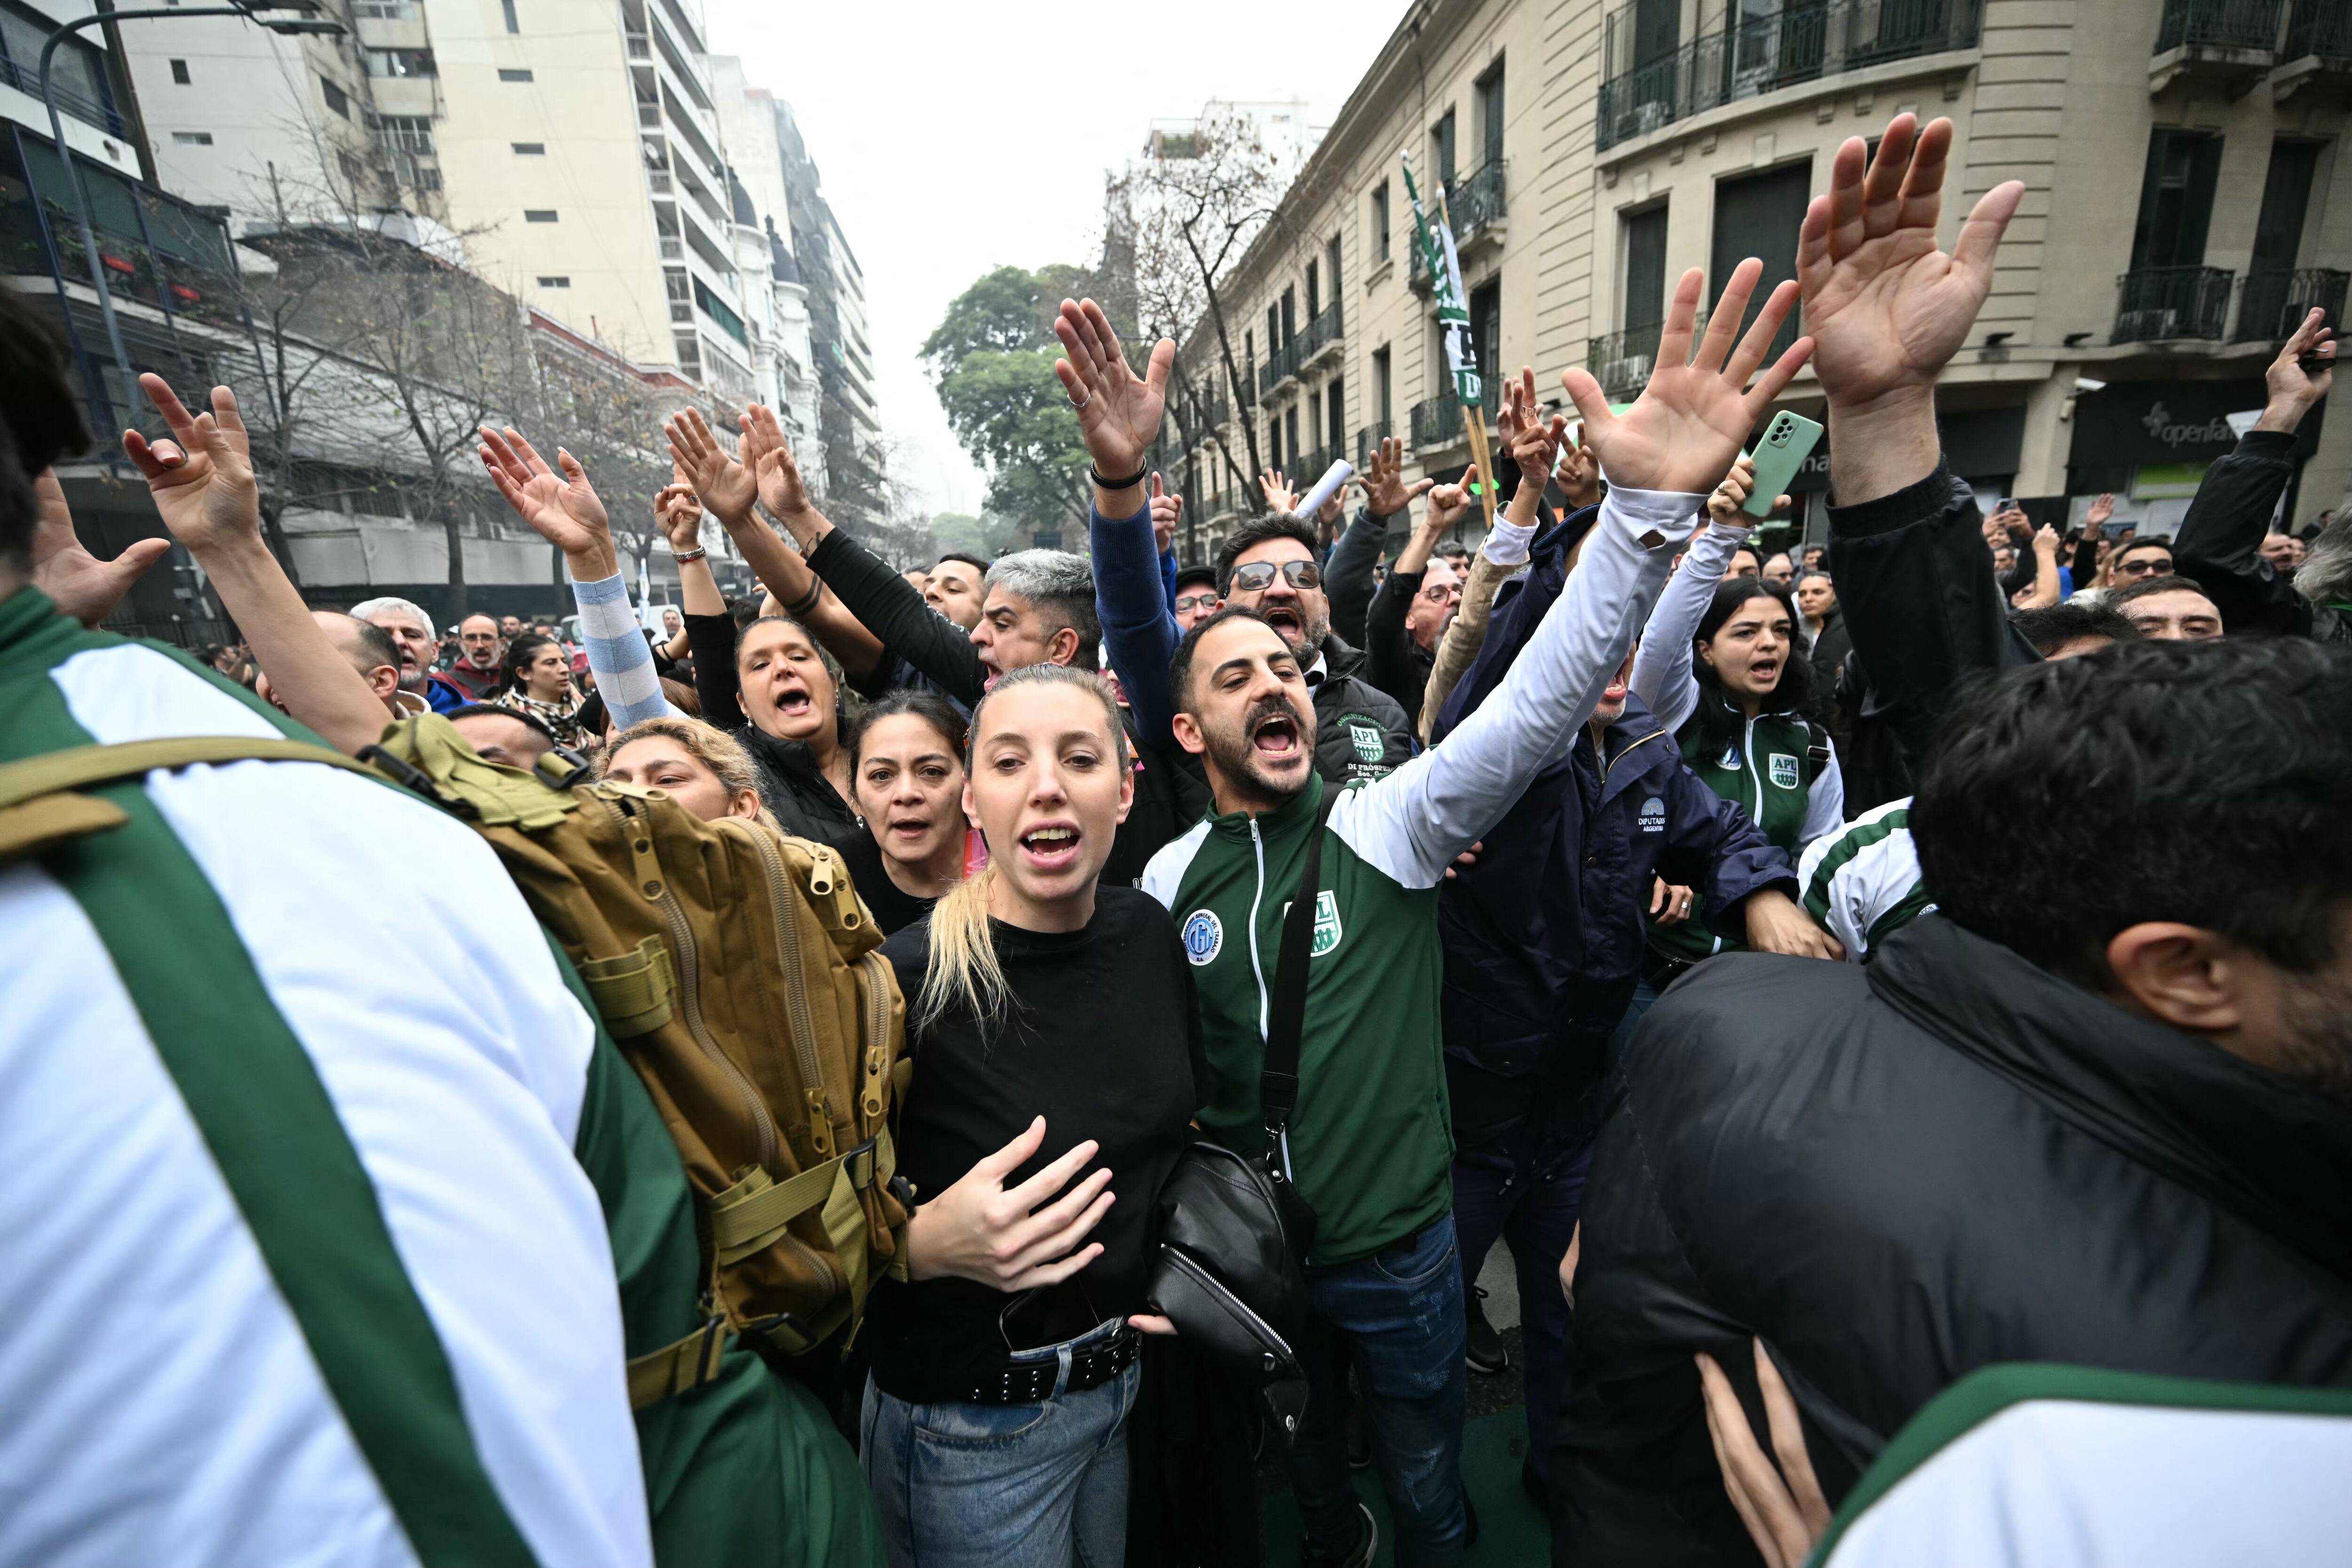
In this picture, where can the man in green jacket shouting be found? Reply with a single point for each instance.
(1368, 1140)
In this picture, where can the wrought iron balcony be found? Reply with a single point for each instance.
(1763, 54)
(1621, 361)
(1475, 202)
(1312, 465)
(1321, 336)
(1436, 422)
(26, 78)
(2220, 23)
(1281, 365)
(2158, 303)
(1368, 439)
(2272, 304)
(2322, 28)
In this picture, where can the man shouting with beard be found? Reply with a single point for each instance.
(1366, 1144)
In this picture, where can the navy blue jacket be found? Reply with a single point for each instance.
(1544, 936)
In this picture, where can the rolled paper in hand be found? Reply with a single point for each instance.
(1325, 488)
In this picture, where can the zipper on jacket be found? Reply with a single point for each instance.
(1257, 848)
(784, 909)
(689, 995)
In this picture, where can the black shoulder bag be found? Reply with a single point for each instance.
(1234, 1232)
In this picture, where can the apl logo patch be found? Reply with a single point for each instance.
(1783, 768)
(1371, 744)
(1326, 924)
(1205, 937)
(1654, 815)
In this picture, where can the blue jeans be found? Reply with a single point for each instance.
(1398, 1316)
(960, 1485)
(1534, 1209)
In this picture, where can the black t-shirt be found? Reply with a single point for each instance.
(1102, 1037)
(893, 909)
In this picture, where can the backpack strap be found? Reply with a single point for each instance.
(78, 767)
(681, 1366)
(1817, 750)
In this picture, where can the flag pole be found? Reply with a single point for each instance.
(1473, 417)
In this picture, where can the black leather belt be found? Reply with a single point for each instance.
(1030, 1381)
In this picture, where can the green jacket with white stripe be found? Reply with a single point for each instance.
(326, 1210)
(1369, 1138)
(1862, 883)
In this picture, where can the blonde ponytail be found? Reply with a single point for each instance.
(963, 965)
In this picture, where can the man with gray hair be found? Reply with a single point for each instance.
(1037, 607)
(410, 630)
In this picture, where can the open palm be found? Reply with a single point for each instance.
(563, 509)
(1888, 307)
(726, 486)
(1118, 411)
(202, 479)
(1692, 417)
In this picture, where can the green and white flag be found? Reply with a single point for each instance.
(1436, 244)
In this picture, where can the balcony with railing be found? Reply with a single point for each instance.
(1621, 361)
(1321, 338)
(1474, 202)
(1311, 466)
(1281, 366)
(2228, 44)
(95, 107)
(1369, 440)
(2159, 304)
(2273, 304)
(1436, 422)
(2318, 50)
(1761, 54)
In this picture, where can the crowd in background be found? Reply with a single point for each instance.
(1882, 993)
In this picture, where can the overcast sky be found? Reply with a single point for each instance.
(953, 138)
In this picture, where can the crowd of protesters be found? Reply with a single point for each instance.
(1893, 999)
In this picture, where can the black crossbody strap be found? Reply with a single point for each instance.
(1277, 1084)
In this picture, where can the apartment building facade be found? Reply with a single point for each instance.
(2186, 198)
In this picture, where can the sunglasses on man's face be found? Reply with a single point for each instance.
(1196, 602)
(2144, 566)
(1258, 575)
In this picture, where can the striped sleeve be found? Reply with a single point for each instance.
(617, 654)
(1862, 882)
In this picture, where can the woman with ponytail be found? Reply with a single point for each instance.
(1055, 1038)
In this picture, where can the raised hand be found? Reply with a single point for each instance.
(1785, 1517)
(1011, 1239)
(1447, 503)
(1280, 498)
(1886, 306)
(1723, 506)
(1385, 491)
(1118, 411)
(678, 513)
(2293, 389)
(1525, 438)
(564, 509)
(1166, 511)
(2101, 508)
(84, 587)
(726, 486)
(202, 479)
(782, 491)
(1579, 472)
(1694, 417)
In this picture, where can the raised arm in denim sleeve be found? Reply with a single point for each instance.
(1347, 572)
(618, 653)
(1412, 824)
(1131, 602)
(1662, 670)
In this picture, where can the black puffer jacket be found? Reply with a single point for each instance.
(1899, 1174)
(1359, 731)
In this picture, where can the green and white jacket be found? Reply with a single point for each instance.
(1861, 882)
(1370, 1141)
(2045, 1465)
(328, 1214)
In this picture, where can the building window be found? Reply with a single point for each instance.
(1645, 269)
(539, 214)
(350, 166)
(1380, 221)
(555, 283)
(1383, 392)
(1441, 144)
(335, 97)
(2176, 198)
(1331, 269)
(1487, 329)
(530, 149)
(1760, 217)
(1314, 291)
(511, 75)
(179, 72)
(425, 176)
(720, 311)
(404, 132)
(193, 138)
(1490, 114)
(1335, 413)
(399, 64)
(508, 7)
(383, 10)
(1289, 316)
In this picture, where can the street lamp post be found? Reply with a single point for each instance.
(73, 171)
